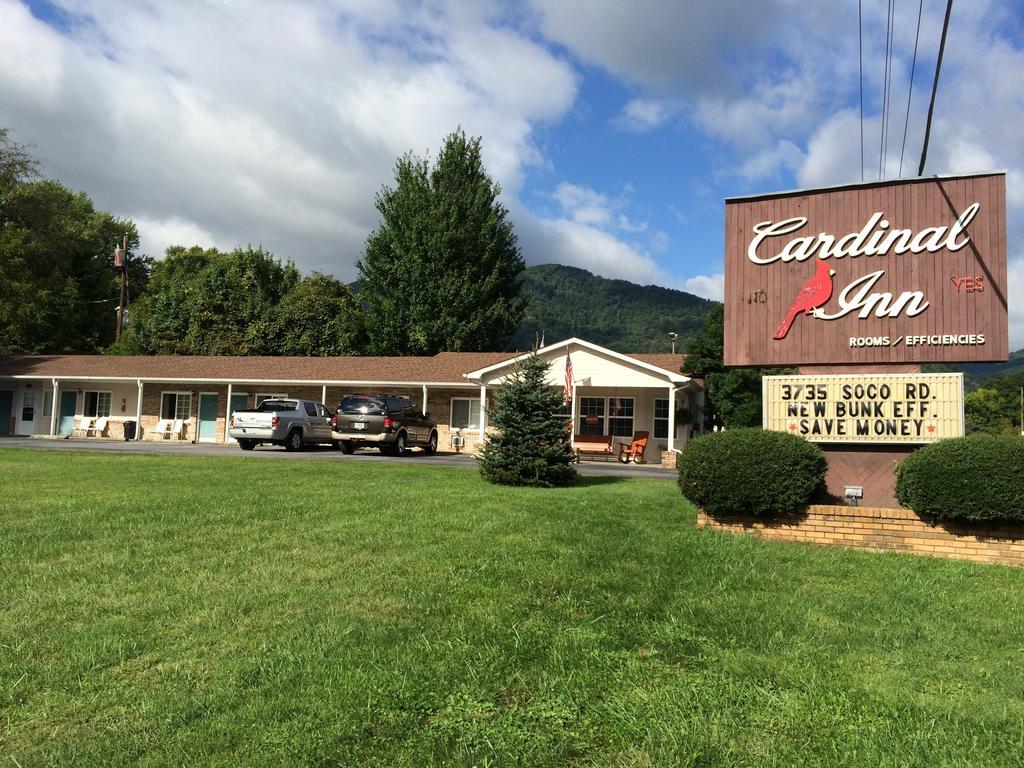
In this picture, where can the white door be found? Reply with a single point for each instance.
(27, 413)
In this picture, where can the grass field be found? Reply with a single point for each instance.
(230, 611)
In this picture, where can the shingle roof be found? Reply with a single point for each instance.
(446, 367)
(442, 368)
(666, 362)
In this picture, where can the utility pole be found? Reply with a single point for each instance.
(121, 263)
(935, 88)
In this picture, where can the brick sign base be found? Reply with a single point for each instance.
(878, 529)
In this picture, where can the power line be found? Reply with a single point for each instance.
(860, 48)
(889, 24)
(910, 93)
(935, 88)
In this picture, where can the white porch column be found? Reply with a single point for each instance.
(572, 416)
(323, 395)
(424, 398)
(53, 409)
(483, 411)
(227, 414)
(138, 413)
(671, 418)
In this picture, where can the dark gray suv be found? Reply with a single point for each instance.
(390, 423)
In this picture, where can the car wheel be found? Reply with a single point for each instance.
(431, 447)
(246, 445)
(347, 446)
(294, 441)
(400, 444)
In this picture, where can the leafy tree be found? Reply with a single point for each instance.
(205, 302)
(442, 271)
(319, 317)
(984, 412)
(530, 445)
(59, 292)
(1008, 386)
(733, 395)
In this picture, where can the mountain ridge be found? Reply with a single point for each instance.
(565, 301)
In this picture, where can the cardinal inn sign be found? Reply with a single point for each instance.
(908, 271)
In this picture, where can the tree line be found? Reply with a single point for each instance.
(442, 272)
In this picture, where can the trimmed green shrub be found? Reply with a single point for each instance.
(980, 477)
(750, 472)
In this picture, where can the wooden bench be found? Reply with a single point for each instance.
(593, 447)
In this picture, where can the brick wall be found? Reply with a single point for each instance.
(880, 529)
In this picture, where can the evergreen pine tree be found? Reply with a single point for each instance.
(530, 445)
(442, 272)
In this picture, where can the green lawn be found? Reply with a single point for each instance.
(240, 612)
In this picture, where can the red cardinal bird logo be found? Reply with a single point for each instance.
(814, 294)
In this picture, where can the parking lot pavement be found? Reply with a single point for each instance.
(319, 453)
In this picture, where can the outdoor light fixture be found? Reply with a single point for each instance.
(853, 492)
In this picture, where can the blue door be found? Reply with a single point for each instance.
(6, 405)
(67, 412)
(208, 418)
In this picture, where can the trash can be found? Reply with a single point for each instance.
(129, 430)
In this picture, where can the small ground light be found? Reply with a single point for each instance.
(852, 493)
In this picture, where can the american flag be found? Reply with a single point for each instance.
(568, 378)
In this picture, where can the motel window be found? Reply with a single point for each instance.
(591, 416)
(465, 413)
(616, 412)
(661, 419)
(28, 406)
(620, 416)
(176, 405)
(96, 404)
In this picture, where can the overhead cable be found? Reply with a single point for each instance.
(860, 48)
(885, 89)
(935, 88)
(910, 92)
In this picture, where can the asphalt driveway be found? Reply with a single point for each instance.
(322, 453)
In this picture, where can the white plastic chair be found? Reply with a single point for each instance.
(84, 426)
(101, 426)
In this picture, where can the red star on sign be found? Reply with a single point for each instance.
(931, 427)
(792, 426)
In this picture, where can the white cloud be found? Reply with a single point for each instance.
(661, 43)
(1015, 301)
(706, 286)
(641, 115)
(584, 205)
(278, 126)
(156, 235)
(563, 241)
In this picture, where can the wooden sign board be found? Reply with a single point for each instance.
(907, 271)
(910, 408)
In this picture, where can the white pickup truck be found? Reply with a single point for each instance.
(282, 421)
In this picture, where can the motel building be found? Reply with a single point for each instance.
(614, 394)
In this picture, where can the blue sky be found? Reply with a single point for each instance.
(615, 129)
